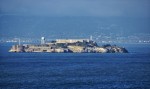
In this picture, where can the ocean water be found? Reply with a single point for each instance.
(76, 70)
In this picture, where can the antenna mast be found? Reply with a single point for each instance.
(19, 40)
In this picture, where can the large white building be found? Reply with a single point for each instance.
(71, 40)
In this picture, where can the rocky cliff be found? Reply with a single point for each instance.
(71, 47)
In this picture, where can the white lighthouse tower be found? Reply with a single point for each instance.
(91, 37)
(42, 40)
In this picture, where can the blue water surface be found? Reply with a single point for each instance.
(76, 70)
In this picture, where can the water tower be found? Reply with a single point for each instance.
(42, 40)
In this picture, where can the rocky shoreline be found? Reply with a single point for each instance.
(69, 46)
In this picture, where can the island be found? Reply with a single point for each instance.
(68, 46)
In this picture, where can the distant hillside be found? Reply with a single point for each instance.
(31, 26)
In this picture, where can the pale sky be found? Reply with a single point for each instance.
(101, 8)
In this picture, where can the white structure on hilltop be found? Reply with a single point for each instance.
(42, 40)
(70, 40)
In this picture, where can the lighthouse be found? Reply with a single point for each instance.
(91, 37)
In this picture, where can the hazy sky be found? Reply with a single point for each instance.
(101, 8)
(55, 17)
